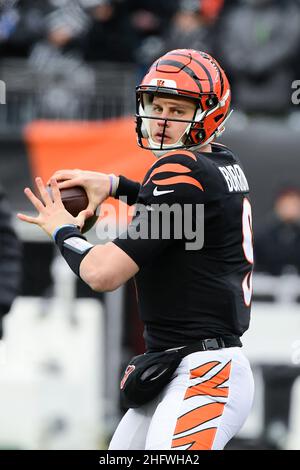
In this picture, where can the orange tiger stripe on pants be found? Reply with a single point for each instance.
(211, 386)
(202, 408)
(202, 439)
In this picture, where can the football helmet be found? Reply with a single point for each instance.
(190, 74)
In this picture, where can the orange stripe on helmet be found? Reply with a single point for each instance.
(200, 68)
(179, 179)
(202, 440)
(168, 65)
(198, 416)
(174, 167)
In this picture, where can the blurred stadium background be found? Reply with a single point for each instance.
(70, 68)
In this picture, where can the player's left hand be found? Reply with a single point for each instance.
(96, 185)
(51, 214)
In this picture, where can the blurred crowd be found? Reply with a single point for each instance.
(256, 41)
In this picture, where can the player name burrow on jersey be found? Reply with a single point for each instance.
(235, 178)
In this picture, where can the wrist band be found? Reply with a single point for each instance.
(127, 188)
(110, 184)
(113, 184)
(59, 228)
(72, 245)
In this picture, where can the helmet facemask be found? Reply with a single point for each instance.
(146, 116)
(193, 136)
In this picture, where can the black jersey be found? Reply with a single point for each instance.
(186, 291)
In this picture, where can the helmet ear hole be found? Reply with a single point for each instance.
(201, 135)
(211, 102)
(217, 118)
(197, 135)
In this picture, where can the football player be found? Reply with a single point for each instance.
(187, 294)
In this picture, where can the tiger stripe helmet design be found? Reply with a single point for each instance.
(190, 74)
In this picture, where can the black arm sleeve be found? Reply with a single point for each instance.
(128, 188)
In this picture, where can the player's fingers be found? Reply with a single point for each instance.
(68, 183)
(34, 200)
(60, 175)
(27, 218)
(42, 190)
(91, 207)
(83, 215)
(55, 191)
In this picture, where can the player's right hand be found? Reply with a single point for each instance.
(96, 185)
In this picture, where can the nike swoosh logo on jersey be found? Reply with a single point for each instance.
(158, 193)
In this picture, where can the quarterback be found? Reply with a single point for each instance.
(186, 296)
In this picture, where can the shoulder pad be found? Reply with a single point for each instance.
(173, 168)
